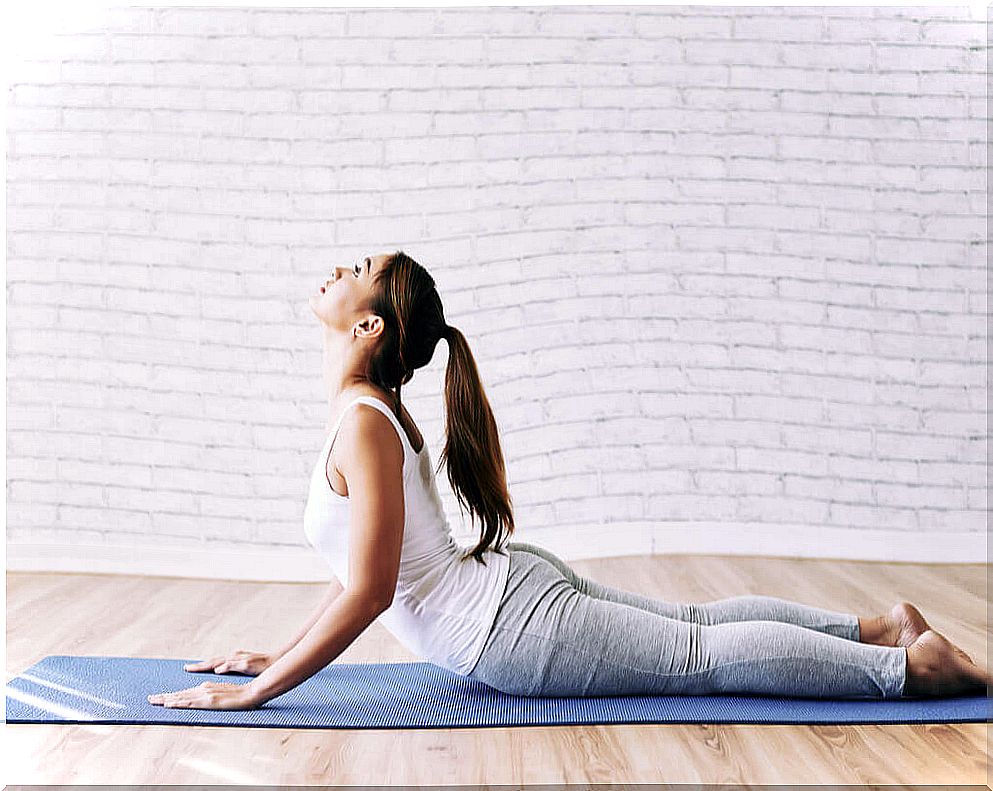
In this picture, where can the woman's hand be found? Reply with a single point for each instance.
(250, 663)
(209, 695)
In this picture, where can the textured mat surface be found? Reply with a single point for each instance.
(113, 690)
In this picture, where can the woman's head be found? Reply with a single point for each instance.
(387, 309)
(384, 308)
(343, 302)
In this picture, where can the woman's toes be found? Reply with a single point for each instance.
(907, 624)
(971, 670)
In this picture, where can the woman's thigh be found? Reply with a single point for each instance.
(549, 639)
(683, 611)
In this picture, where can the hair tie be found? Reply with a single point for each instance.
(449, 332)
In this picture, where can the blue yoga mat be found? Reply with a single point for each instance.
(113, 690)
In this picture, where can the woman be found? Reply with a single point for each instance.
(517, 617)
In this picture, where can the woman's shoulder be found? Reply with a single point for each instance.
(413, 434)
(364, 422)
(383, 395)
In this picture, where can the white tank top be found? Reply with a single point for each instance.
(442, 609)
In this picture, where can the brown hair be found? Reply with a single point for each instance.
(404, 295)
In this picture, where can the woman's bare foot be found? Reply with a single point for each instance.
(906, 624)
(901, 627)
(936, 667)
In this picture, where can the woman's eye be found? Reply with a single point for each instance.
(355, 270)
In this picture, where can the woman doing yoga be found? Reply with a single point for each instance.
(509, 614)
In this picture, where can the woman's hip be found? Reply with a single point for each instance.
(550, 639)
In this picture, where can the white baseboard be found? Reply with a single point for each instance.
(578, 542)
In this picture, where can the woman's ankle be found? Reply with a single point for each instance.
(875, 630)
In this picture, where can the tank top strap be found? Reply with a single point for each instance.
(377, 404)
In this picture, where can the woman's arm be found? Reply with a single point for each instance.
(336, 629)
(374, 473)
(334, 590)
(375, 542)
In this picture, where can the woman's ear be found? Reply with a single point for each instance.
(371, 326)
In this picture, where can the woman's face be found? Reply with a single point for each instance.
(344, 298)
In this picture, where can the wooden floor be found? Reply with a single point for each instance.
(170, 617)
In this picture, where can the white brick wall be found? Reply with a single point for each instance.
(723, 270)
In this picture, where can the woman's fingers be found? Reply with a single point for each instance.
(172, 700)
(207, 665)
(221, 664)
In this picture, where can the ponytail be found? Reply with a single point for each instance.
(475, 464)
(406, 297)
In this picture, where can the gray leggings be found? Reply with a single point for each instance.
(557, 634)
